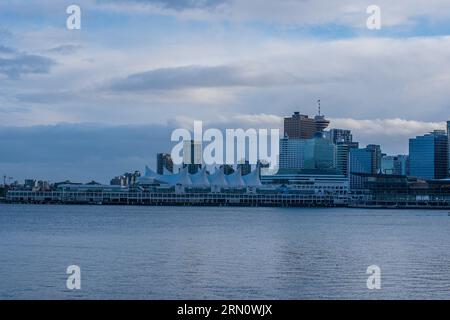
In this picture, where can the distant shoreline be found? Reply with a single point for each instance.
(236, 205)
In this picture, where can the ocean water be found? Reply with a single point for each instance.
(131, 252)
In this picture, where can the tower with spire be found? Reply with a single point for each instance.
(320, 121)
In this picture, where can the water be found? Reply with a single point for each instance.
(222, 253)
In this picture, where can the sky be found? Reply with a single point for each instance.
(90, 104)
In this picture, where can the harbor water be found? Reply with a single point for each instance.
(140, 252)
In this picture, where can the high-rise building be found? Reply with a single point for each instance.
(304, 145)
(396, 165)
(360, 161)
(343, 139)
(291, 153)
(388, 165)
(245, 167)
(299, 126)
(428, 155)
(448, 147)
(315, 153)
(127, 179)
(319, 153)
(30, 183)
(227, 169)
(118, 181)
(192, 155)
(342, 157)
(164, 161)
(376, 157)
(341, 136)
(402, 165)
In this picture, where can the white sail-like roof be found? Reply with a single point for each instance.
(182, 178)
(200, 178)
(218, 178)
(252, 179)
(235, 179)
(149, 172)
(146, 180)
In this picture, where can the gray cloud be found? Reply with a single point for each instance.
(297, 13)
(65, 49)
(4, 33)
(4, 49)
(202, 77)
(47, 97)
(9, 110)
(13, 64)
(80, 151)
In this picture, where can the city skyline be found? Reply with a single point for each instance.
(335, 136)
(139, 71)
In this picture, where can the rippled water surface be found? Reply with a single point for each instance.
(222, 253)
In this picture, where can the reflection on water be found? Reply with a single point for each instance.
(222, 253)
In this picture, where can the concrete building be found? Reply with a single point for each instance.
(299, 126)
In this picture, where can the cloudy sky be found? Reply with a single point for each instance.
(93, 103)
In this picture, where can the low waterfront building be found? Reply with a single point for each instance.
(202, 180)
(91, 188)
(387, 190)
(328, 181)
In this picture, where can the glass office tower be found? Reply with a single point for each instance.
(448, 147)
(360, 161)
(428, 155)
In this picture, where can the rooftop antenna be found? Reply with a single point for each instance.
(318, 103)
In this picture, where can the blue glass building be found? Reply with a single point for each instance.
(360, 161)
(428, 155)
(448, 146)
